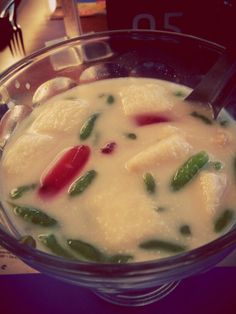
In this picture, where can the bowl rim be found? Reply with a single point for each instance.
(197, 255)
(100, 35)
(30, 255)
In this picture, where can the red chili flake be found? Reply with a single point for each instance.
(145, 119)
(108, 148)
(64, 170)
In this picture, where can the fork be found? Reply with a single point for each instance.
(16, 43)
(15, 40)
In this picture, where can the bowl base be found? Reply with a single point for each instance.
(137, 297)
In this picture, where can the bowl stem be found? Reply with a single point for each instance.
(138, 297)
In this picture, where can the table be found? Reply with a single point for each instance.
(34, 17)
(209, 293)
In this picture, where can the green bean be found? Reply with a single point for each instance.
(28, 240)
(160, 209)
(224, 123)
(110, 99)
(189, 170)
(19, 191)
(50, 241)
(201, 117)
(88, 126)
(131, 136)
(119, 258)
(179, 93)
(149, 182)
(34, 215)
(185, 230)
(71, 98)
(91, 253)
(217, 165)
(162, 246)
(81, 184)
(223, 220)
(86, 250)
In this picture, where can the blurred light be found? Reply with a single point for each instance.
(52, 5)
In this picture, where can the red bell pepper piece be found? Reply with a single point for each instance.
(149, 118)
(108, 148)
(65, 169)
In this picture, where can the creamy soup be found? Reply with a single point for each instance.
(120, 170)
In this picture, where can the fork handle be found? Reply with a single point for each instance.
(4, 7)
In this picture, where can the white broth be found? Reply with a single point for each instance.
(120, 170)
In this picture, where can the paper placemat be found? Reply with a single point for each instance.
(10, 264)
(84, 10)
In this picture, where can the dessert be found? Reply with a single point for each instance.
(120, 170)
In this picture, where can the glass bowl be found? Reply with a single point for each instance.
(174, 57)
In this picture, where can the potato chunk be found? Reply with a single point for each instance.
(138, 99)
(64, 116)
(213, 187)
(170, 148)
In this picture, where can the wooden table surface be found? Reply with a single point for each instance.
(38, 28)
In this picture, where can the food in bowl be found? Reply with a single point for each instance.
(120, 170)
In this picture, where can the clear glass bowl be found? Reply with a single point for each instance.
(174, 57)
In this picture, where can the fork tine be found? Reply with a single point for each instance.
(10, 45)
(21, 40)
(16, 44)
(17, 41)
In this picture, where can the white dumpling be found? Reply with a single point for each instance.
(213, 187)
(172, 147)
(60, 116)
(138, 99)
(21, 158)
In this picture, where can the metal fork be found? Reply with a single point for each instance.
(16, 44)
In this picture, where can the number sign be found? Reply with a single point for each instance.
(210, 19)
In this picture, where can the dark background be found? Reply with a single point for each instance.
(214, 20)
(208, 293)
